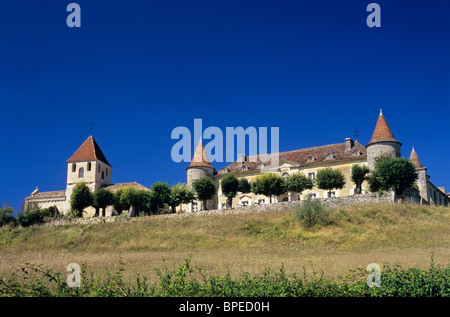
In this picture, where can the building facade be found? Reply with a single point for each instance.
(88, 164)
(309, 161)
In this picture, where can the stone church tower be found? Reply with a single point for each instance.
(382, 143)
(88, 164)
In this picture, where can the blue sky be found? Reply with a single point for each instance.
(139, 69)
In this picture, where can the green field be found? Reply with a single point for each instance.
(235, 244)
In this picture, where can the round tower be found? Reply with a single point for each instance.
(382, 143)
(200, 166)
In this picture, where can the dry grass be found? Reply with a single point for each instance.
(238, 243)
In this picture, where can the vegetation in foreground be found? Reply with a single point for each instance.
(190, 281)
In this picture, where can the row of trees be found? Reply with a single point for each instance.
(271, 184)
(390, 173)
(140, 201)
(397, 173)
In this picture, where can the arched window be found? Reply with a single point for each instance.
(74, 167)
(311, 159)
(89, 166)
(285, 175)
(81, 172)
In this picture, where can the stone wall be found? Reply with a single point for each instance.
(328, 202)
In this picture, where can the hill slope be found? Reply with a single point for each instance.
(357, 235)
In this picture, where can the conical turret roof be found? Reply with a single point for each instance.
(89, 151)
(382, 132)
(414, 158)
(200, 158)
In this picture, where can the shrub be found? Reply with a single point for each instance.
(50, 212)
(31, 215)
(6, 216)
(311, 212)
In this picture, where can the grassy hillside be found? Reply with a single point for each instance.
(357, 236)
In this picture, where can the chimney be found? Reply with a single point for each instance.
(349, 144)
(241, 158)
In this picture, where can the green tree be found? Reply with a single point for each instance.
(180, 194)
(244, 186)
(394, 172)
(230, 186)
(329, 179)
(160, 195)
(358, 176)
(297, 183)
(102, 198)
(204, 188)
(119, 202)
(7, 216)
(80, 199)
(269, 185)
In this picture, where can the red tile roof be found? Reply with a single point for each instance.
(89, 151)
(115, 187)
(382, 132)
(200, 158)
(48, 195)
(414, 158)
(302, 157)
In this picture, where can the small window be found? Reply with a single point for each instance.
(261, 201)
(74, 167)
(312, 176)
(311, 159)
(89, 166)
(81, 172)
(98, 170)
(285, 175)
(224, 206)
(357, 153)
(245, 167)
(331, 194)
(330, 156)
(245, 203)
(103, 175)
(313, 196)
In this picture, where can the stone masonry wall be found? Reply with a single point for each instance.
(328, 202)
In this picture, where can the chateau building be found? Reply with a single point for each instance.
(89, 164)
(309, 161)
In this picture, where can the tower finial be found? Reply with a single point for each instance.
(92, 125)
(381, 112)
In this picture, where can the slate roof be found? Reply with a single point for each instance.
(89, 151)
